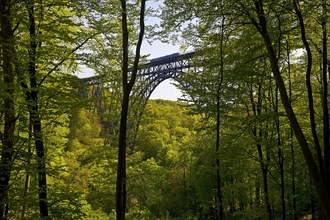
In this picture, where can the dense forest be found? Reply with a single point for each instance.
(249, 138)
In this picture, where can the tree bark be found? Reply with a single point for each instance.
(280, 154)
(258, 135)
(27, 176)
(281, 165)
(257, 195)
(264, 171)
(32, 102)
(293, 163)
(217, 148)
(218, 176)
(122, 160)
(126, 88)
(293, 177)
(8, 136)
(326, 130)
(309, 89)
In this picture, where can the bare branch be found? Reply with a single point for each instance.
(65, 58)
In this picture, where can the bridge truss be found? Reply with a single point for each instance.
(149, 76)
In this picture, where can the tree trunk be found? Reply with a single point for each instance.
(280, 155)
(326, 130)
(122, 159)
(293, 177)
(127, 88)
(281, 164)
(27, 176)
(264, 171)
(293, 163)
(257, 202)
(32, 102)
(258, 135)
(217, 148)
(6, 208)
(8, 102)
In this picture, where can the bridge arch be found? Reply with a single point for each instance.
(169, 89)
(149, 77)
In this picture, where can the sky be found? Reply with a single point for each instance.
(165, 90)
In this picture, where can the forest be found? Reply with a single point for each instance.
(248, 139)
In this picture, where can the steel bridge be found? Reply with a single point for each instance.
(149, 76)
(160, 67)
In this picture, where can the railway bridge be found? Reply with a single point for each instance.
(149, 76)
(152, 73)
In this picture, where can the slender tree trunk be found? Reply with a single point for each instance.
(309, 90)
(280, 154)
(121, 169)
(27, 176)
(258, 134)
(281, 164)
(254, 132)
(232, 197)
(323, 169)
(242, 202)
(293, 163)
(264, 171)
(217, 148)
(313, 208)
(257, 202)
(6, 207)
(185, 189)
(127, 88)
(42, 181)
(122, 159)
(125, 190)
(26, 190)
(293, 177)
(8, 102)
(219, 192)
(326, 130)
(32, 101)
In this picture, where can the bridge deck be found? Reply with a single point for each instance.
(156, 62)
(170, 58)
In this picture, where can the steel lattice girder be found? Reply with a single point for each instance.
(150, 75)
(161, 65)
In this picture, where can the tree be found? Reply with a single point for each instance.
(160, 164)
(36, 53)
(32, 102)
(272, 21)
(8, 100)
(127, 86)
(260, 23)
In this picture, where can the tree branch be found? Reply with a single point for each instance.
(138, 46)
(65, 58)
